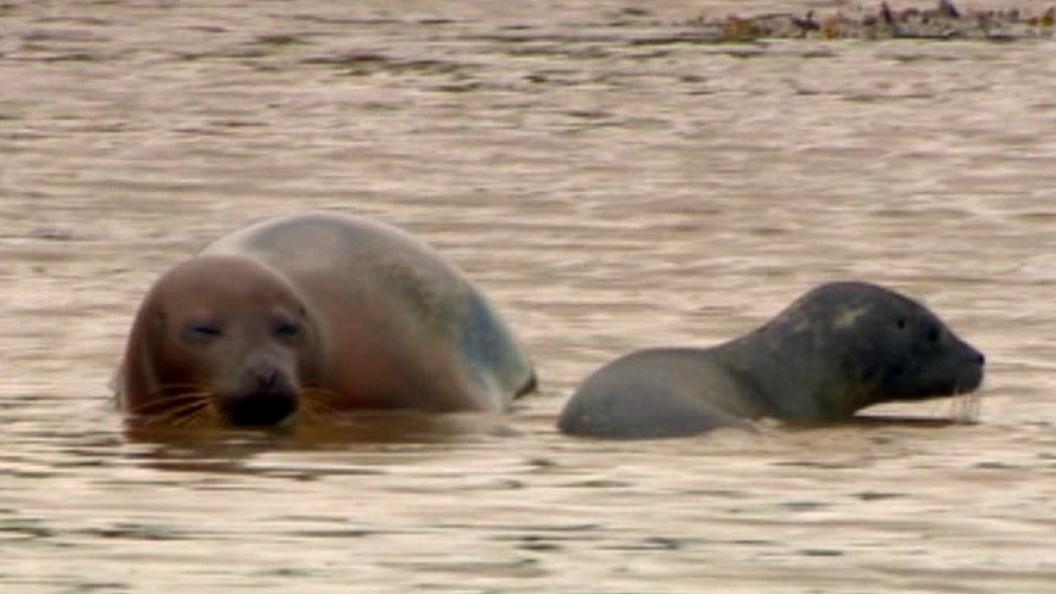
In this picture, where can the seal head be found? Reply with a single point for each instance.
(847, 345)
(223, 336)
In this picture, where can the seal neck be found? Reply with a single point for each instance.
(796, 374)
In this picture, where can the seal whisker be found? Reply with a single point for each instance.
(309, 416)
(187, 420)
(183, 411)
(957, 410)
(164, 404)
(206, 417)
(318, 410)
(321, 395)
(965, 405)
(202, 416)
(176, 403)
(970, 406)
(175, 389)
(318, 403)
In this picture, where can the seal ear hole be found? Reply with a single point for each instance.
(900, 323)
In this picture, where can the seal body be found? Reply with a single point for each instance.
(317, 313)
(838, 349)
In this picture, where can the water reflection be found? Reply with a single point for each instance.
(335, 431)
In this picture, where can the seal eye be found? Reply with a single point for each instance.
(204, 331)
(286, 330)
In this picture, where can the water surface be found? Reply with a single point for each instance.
(611, 187)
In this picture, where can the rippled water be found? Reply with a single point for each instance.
(611, 187)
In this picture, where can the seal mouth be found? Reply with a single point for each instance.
(265, 396)
(260, 409)
(200, 405)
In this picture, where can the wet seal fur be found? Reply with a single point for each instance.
(839, 348)
(313, 314)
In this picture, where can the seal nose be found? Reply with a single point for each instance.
(265, 396)
(267, 379)
(976, 356)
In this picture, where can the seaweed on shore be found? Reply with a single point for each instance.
(944, 21)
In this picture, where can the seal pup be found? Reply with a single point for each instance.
(839, 348)
(316, 313)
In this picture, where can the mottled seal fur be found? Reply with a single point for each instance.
(839, 348)
(316, 313)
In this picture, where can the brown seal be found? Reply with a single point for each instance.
(838, 349)
(313, 314)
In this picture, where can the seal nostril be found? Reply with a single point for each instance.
(980, 359)
(267, 380)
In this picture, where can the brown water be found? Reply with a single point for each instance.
(611, 189)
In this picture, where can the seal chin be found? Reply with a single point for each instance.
(258, 409)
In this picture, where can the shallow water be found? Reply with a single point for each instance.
(611, 187)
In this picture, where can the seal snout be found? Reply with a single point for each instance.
(974, 376)
(267, 379)
(266, 396)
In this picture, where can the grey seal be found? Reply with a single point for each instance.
(837, 349)
(316, 313)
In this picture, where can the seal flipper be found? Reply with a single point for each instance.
(530, 385)
(497, 360)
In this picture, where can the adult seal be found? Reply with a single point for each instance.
(839, 348)
(312, 314)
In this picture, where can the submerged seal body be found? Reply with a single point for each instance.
(316, 313)
(839, 348)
